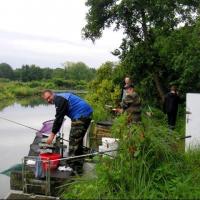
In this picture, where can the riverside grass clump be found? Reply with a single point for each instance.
(101, 97)
(13, 90)
(24, 91)
(149, 165)
(17, 89)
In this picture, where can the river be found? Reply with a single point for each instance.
(15, 139)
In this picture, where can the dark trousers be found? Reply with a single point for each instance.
(172, 119)
(77, 133)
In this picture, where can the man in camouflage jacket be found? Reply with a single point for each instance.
(131, 104)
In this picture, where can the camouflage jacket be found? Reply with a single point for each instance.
(132, 105)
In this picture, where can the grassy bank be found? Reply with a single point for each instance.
(11, 90)
(146, 167)
(14, 89)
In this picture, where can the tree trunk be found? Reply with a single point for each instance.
(159, 86)
(144, 25)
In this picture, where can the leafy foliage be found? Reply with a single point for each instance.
(78, 71)
(102, 91)
(144, 23)
(149, 165)
(6, 71)
(70, 71)
(180, 51)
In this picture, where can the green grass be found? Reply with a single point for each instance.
(150, 167)
(12, 90)
(16, 89)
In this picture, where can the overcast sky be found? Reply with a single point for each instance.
(48, 33)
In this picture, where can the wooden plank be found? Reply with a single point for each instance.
(18, 195)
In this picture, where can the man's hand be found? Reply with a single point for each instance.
(50, 138)
(117, 110)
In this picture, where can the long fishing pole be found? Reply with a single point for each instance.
(20, 124)
(82, 156)
(28, 127)
(36, 130)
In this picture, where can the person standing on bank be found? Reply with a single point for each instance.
(131, 104)
(127, 81)
(170, 106)
(77, 110)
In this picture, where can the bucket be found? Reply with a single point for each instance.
(53, 157)
(109, 144)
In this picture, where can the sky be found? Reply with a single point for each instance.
(47, 33)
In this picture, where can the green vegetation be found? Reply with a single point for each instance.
(31, 80)
(68, 72)
(103, 92)
(160, 45)
(151, 162)
(15, 89)
(149, 167)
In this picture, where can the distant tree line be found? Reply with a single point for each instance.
(69, 71)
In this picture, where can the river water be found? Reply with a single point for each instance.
(15, 139)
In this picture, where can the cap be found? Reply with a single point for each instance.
(128, 86)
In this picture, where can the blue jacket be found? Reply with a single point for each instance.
(77, 107)
(72, 106)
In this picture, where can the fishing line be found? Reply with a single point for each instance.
(20, 124)
(27, 127)
(87, 148)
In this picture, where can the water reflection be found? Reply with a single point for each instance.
(25, 102)
(30, 102)
(16, 139)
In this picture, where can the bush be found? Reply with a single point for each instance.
(4, 80)
(149, 165)
(70, 84)
(34, 84)
(24, 91)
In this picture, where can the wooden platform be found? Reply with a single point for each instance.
(102, 130)
(20, 195)
(38, 186)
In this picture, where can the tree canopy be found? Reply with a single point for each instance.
(144, 23)
(78, 71)
(69, 71)
(6, 71)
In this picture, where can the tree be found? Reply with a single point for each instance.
(143, 21)
(105, 71)
(181, 51)
(47, 73)
(102, 89)
(104, 76)
(28, 73)
(6, 71)
(18, 74)
(78, 71)
(58, 73)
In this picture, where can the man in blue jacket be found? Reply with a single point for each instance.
(77, 110)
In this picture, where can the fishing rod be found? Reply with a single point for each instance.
(185, 137)
(89, 155)
(87, 148)
(28, 127)
(80, 156)
(20, 124)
